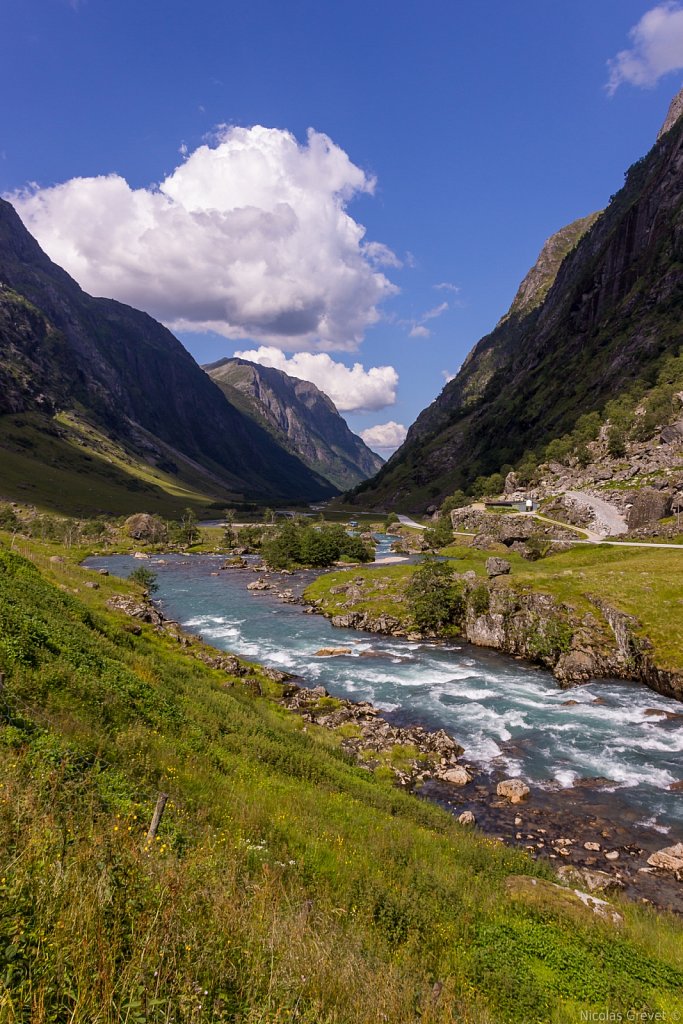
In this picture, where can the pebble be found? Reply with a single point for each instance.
(595, 847)
(612, 855)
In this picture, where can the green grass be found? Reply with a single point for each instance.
(642, 582)
(287, 884)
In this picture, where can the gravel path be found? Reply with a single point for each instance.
(609, 521)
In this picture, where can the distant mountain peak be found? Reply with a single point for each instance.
(674, 112)
(300, 416)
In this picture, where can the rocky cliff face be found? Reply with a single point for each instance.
(612, 313)
(301, 418)
(61, 348)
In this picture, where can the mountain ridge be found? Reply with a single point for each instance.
(611, 313)
(129, 374)
(301, 417)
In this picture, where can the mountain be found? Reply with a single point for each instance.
(598, 314)
(76, 368)
(300, 417)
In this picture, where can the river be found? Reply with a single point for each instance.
(510, 716)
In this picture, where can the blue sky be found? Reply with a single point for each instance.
(462, 134)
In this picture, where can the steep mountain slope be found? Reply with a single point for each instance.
(611, 315)
(300, 417)
(61, 349)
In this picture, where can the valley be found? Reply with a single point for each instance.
(413, 728)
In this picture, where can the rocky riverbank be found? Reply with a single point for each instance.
(578, 827)
(516, 620)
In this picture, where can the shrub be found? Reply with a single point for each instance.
(145, 578)
(435, 597)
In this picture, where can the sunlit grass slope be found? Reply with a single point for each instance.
(69, 466)
(287, 884)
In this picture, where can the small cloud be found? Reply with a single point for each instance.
(352, 389)
(448, 376)
(447, 286)
(384, 438)
(432, 314)
(657, 49)
(182, 149)
(418, 328)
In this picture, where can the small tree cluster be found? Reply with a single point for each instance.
(300, 543)
(435, 597)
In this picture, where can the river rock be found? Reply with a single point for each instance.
(259, 585)
(332, 652)
(457, 776)
(668, 859)
(513, 790)
(467, 818)
(497, 567)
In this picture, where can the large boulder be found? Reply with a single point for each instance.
(145, 527)
(497, 567)
(457, 776)
(673, 434)
(648, 506)
(513, 790)
(668, 859)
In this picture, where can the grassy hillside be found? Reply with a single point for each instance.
(66, 464)
(286, 884)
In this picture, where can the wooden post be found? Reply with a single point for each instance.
(157, 816)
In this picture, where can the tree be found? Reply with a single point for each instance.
(440, 534)
(145, 578)
(456, 500)
(435, 597)
(189, 533)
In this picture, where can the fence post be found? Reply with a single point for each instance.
(157, 816)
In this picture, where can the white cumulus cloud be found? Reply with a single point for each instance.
(352, 389)
(657, 49)
(249, 237)
(384, 437)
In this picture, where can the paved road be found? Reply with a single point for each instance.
(407, 521)
(609, 520)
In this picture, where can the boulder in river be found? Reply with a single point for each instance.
(668, 859)
(513, 790)
(259, 585)
(467, 818)
(332, 652)
(457, 776)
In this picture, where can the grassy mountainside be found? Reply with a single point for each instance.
(61, 349)
(301, 418)
(609, 320)
(285, 884)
